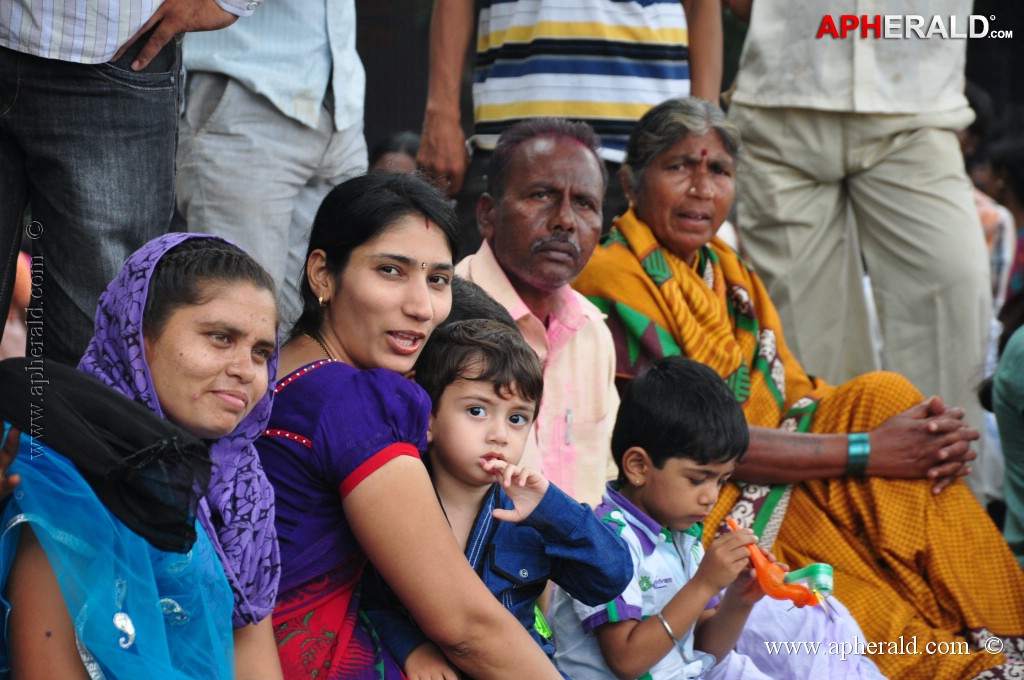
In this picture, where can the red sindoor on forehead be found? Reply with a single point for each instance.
(703, 153)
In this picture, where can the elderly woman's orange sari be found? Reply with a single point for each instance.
(907, 562)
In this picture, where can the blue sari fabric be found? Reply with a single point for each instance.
(138, 612)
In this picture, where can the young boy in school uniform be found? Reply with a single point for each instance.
(678, 435)
(517, 529)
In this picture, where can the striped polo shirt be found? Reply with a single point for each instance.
(605, 62)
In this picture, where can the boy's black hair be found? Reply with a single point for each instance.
(484, 351)
(680, 408)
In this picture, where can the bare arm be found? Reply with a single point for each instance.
(397, 520)
(777, 456)
(718, 631)
(443, 144)
(256, 652)
(704, 26)
(40, 633)
(927, 441)
(631, 648)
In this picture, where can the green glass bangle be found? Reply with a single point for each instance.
(859, 448)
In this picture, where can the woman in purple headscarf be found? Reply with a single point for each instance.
(188, 330)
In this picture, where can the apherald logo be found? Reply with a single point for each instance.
(897, 26)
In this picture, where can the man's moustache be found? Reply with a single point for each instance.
(542, 244)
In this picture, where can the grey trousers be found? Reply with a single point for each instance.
(253, 175)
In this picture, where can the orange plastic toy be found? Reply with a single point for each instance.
(772, 578)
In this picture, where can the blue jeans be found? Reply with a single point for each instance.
(89, 150)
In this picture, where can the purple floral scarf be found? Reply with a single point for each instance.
(238, 511)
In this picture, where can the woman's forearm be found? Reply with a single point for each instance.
(927, 441)
(397, 520)
(496, 646)
(781, 457)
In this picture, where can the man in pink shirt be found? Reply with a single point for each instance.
(541, 220)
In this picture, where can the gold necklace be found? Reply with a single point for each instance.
(319, 342)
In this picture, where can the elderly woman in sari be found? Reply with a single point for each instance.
(864, 475)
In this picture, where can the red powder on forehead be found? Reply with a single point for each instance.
(703, 153)
(426, 222)
(562, 138)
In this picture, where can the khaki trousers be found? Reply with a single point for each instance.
(824, 195)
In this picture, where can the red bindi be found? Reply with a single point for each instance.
(703, 153)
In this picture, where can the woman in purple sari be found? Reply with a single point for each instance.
(342, 448)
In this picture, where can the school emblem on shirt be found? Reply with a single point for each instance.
(645, 583)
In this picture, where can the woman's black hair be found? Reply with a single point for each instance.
(183, 276)
(358, 211)
(680, 408)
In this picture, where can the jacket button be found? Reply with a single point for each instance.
(523, 573)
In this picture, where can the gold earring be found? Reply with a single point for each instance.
(321, 301)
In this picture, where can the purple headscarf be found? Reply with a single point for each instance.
(238, 511)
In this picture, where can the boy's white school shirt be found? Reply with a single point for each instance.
(663, 563)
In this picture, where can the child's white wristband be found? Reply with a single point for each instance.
(668, 629)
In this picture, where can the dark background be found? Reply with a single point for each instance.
(393, 40)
